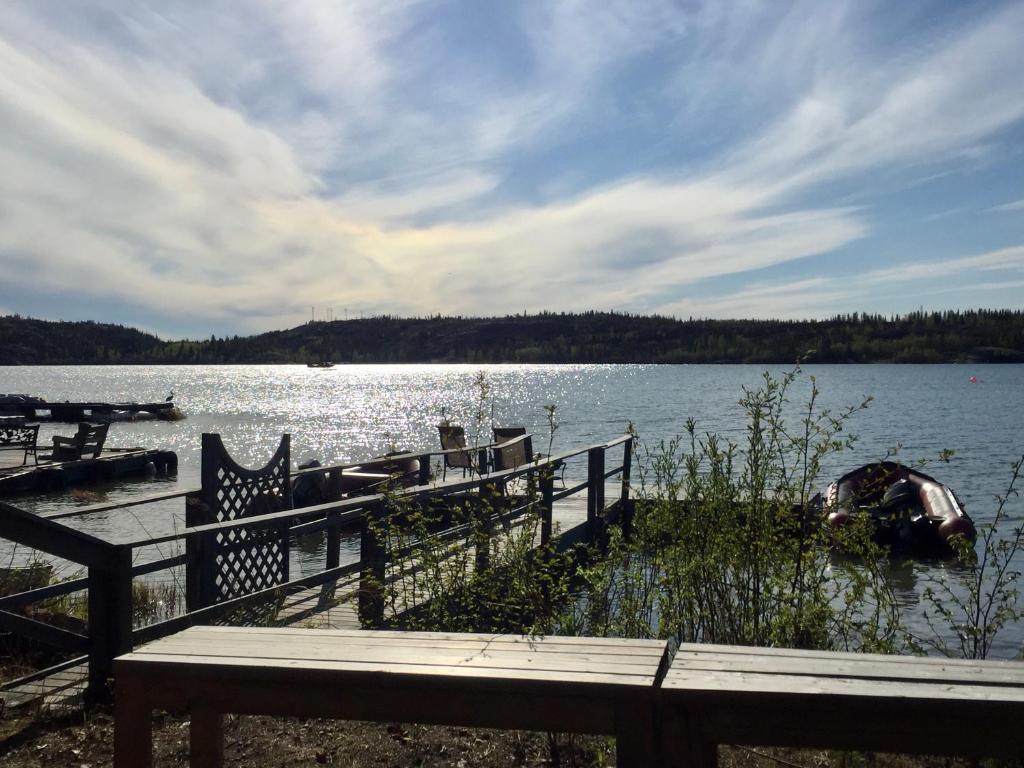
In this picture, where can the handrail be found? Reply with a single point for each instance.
(111, 569)
(112, 505)
(354, 504)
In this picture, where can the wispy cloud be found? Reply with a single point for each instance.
(896, 289)
(413, 158)
(1016, 205)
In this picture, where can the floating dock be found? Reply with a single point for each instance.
(37, 409)
(112, 464)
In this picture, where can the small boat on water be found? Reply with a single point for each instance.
(909, 508)
(320, 364)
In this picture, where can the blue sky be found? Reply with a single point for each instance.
(221, 167)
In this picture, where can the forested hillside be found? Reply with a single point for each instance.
(590, 337)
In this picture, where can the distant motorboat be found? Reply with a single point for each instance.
(320, 364)
(909, 509)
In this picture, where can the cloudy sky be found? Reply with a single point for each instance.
(221, 167)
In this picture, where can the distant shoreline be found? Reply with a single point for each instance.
(971, 337)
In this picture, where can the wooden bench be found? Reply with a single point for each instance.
(569, 684)
(89, 439)
(815, 699)
(20, 438)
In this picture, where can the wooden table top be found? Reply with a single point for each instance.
(625, 663)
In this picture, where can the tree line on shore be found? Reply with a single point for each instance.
(587, 337)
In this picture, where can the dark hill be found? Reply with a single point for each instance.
(589, 337)
(25, 341)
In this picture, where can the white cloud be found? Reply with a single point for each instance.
(240, 169)
(1016, 205)
(902, 287)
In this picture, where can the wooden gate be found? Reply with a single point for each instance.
(221, 566)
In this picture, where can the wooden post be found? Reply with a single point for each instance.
(636, 739)
(547, 492)
(371, 579)
(332, 492)
(595, 491)
(133, 724)
(482, 538)
(206, 738)
(110, 618)
(196, 513)
(625, 503)
(424, 476)
(481, 461)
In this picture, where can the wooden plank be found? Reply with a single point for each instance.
(326, 649)
(271, 653)
(53, 538)
(497, 704)
(385, 672)
(908, 669)
(422, 648)
(397, 663)
(754, 651)
(391, 636)
(737, 683)
(43, 632)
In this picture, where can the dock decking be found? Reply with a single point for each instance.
(33, 409)
(333, 605)
(113, 463)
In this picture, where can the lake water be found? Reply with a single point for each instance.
(349, 413)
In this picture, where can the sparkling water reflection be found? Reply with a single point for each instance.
(348, 413)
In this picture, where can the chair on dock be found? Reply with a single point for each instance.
(453, 438)
(504, 434)
(20, 438)
(519, 451)
(88, 440)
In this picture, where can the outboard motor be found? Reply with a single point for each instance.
(899, 508)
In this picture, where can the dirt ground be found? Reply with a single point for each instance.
(80, 740)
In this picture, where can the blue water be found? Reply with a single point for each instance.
(349, 413)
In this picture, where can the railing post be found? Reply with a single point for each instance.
(482, 535)
(371, 578)
(332, 492)
(424, 476)
(110, 618)
(595, 491)
(547, 492)
(625, 504)
(196, 513)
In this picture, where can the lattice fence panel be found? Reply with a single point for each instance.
(244, 560)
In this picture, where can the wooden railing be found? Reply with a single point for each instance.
(110, 568)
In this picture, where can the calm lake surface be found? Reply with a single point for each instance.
(349, 413)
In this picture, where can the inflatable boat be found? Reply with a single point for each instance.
(909, 509)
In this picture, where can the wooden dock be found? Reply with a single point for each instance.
(334, 605)
(241, 527)
(38, 409)
(112, 464)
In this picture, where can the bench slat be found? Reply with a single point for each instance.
(681, 685)
(383, 672)
(272, 654)
(493, 644)
(392, 636)
(748, 651)
(907, 669)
